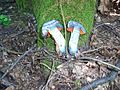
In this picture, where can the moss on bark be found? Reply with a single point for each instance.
(78, 10)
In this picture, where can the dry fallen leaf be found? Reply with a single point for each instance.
(104, 6)
(10, 88)
(118, 52)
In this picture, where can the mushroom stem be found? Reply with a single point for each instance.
(73, 43)
(53, 27)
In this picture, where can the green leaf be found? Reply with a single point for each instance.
(4, 20)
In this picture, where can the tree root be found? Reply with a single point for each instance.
(108, 78)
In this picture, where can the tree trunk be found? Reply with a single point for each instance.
(78, 10)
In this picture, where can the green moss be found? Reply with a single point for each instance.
(77, 10)
(25, 5)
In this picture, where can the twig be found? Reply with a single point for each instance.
(108, 78)
(63, 17)
(17, 61)
(108, 26)
(100, 61)
(18, 33)
(10, 51)
(114, 14)
(54, 56)
(47, 66)
(93, 50)
(49, 53)
(90, 59)
(50, 76)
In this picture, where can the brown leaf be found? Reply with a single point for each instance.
(118, 52)
(10, 88)
(104, 6)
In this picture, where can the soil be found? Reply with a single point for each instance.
(18, 43)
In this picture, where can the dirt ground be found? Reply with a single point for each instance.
(22, 62)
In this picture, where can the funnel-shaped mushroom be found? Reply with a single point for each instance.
(53, 28)
(77, 29)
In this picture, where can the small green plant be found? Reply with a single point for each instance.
(4, 20)
(77, 83)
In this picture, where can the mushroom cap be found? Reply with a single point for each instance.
(72, 24)
(49, 25)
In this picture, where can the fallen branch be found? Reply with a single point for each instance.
(100, 61)
(110, 77)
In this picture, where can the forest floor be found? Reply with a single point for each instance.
(22, 64)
